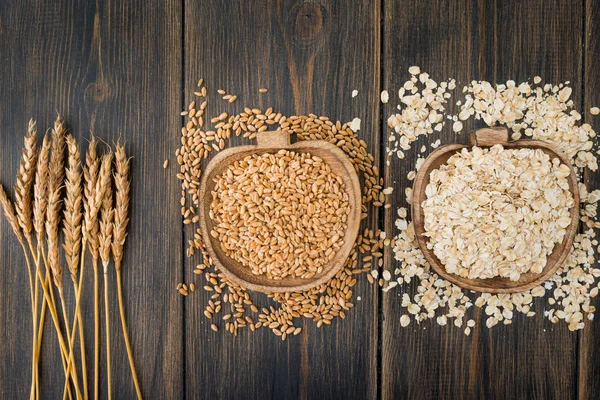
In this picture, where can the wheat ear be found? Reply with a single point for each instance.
(24, 185)
(73, 247)
(40, 189)
(10, 214)
(104, 190)
(122, 184)
(91, 232)
(57, 158)
(73, 209)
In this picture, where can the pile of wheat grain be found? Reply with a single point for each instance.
(280, 215)
(321, 304)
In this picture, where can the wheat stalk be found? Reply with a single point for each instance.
(40, 202)
(91, 232)
(72, 231)
(104, 192)
(23, 208)
(122, 184)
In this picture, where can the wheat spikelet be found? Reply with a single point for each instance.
(103, 187)
(121, 204)
(24, 185)
(72, 209)
(90, 174)
(57, 158)
(52, 221)
(9, 212)
(40, 189)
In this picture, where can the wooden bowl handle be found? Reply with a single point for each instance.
(273, 139)
(487, 137)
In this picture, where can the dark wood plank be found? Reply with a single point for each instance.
(589, 345)
(495, 41)
(310, 56)
(113, 68)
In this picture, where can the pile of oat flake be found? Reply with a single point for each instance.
(533, 110)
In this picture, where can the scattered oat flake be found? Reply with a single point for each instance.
(354, 93)
(457, 126)
(385, 96)
(355, 124)
(404, 320)
(414, 70)
(537, 79)
(388, 190)
(594, 110)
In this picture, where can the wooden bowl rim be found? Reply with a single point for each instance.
(421, 181)
(338, 261)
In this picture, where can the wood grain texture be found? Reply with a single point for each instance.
(589, 339)
(113, 68)
(310, 55)
(495, 41)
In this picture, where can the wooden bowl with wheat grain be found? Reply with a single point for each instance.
(488, 137)
(272, 142)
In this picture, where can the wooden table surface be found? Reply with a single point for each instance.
(127, 68)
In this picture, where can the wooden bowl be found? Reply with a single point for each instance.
(272, 142)
(488, 137)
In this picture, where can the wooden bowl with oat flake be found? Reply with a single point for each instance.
(273, 142)
(486, 138)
